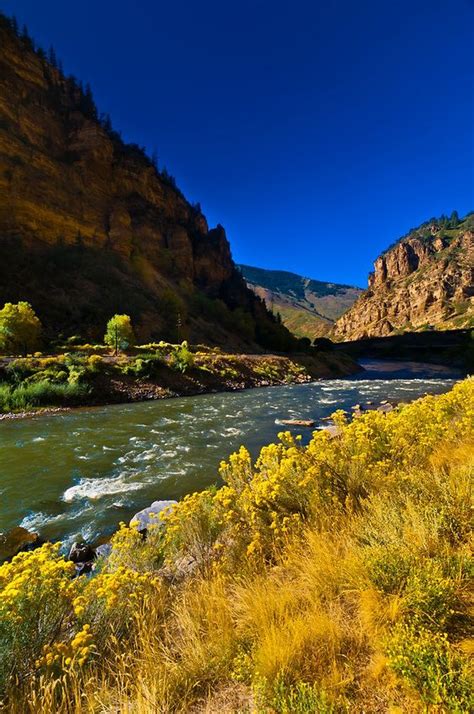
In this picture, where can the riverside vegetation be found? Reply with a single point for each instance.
(333, 577)
(77, 374)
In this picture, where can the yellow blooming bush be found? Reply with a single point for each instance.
(262, 503)
(36, 592)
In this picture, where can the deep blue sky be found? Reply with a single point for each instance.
(316, 132)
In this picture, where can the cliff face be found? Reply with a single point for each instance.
(89, 226)
(424, 280)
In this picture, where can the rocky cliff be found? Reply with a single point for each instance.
(425, 281)
(89, 226)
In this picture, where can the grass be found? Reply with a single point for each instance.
(37, 394)
(329, 578)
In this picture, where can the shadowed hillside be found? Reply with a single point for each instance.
(90, 225)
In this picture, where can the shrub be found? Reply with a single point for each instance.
(427, 662)
(181, 358)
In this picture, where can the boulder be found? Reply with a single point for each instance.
(17, 540)
(104, 550)
(149, 516)
(81, 553)
(386, 408)
(297, 422)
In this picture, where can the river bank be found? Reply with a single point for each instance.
(83, 471)
(50, 385)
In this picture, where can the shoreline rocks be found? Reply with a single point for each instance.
(17, 540)
(150, 516)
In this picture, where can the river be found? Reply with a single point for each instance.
(84, 471)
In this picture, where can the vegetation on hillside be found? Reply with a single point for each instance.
(306, 307)
(442, 227)
(328, 578)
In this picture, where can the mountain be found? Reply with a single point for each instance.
(307, 307)
(90, 226)
(424, 281)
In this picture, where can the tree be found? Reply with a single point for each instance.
(20, 329)
(119, 333)
(52, 59)
(454, 219)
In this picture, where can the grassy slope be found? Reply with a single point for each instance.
(308, 307)
(329, 578)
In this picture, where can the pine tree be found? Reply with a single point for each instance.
(26, 39)
(454, 219)
(52, 59)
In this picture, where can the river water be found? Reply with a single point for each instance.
(84, 471)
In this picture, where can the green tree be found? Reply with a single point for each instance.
(119, 333)
(20, 329)
(454, 219)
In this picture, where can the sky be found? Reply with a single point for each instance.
(316, 132)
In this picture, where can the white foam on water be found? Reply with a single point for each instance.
(95, 488)
(39, 438)
(232, 431)
(170, 454)
(37, 520)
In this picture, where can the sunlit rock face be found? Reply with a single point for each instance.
(88, 226)
(419, 283)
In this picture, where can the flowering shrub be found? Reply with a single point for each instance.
(36, 592)
(432, 666)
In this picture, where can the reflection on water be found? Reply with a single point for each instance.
(85, 471)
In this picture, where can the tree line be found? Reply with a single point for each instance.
(21, 330)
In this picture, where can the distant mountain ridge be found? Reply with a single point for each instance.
(423, 281)
(307, 307)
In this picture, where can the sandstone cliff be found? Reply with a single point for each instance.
(89, 226)
(425, 281)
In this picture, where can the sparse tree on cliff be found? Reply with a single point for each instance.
(20, 329)
(119, 333)
(52, 59)
(454, 219)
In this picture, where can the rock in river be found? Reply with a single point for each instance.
(149, 516)
(81, 553)
(17, 540)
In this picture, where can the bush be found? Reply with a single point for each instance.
(181, 358)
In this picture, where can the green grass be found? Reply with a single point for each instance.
(40, 394)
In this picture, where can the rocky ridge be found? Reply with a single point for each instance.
(425, 281)
(90, 226)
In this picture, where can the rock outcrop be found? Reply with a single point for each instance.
(89, 226)
(425, 281)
